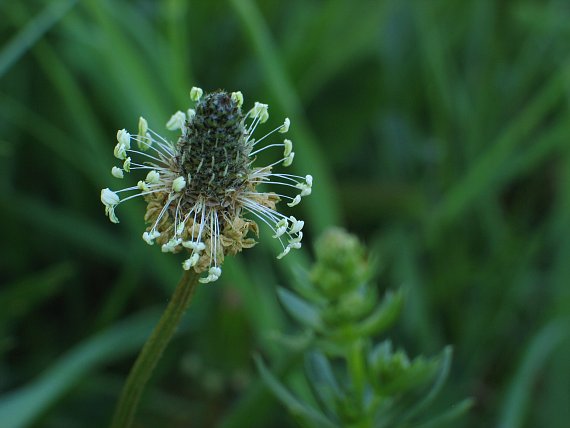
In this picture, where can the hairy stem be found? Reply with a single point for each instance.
(152, 350)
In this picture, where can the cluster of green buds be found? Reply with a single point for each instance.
(356, 381)
(202, 190)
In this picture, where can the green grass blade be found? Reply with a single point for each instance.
(32, 32)
(19, 298)
(519, 394)
(486, 171)
(21, 408)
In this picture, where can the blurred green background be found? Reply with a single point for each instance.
(437, 130)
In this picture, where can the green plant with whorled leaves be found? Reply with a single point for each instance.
(355, 381)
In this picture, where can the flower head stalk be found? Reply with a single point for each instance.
(202, 190)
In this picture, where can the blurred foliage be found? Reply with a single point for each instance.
(357, 383)
(436, 130)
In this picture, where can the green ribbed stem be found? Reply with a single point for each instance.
(152, 350)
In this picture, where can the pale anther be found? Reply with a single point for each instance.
(143, 186)
(153, 177)
(176, 121)
(280, 228)
(117, 172)
(296, 225)
(190, 262)
(289, 159)
(147, 238)
(109, 198)
(196, 93)
(285, 127)
(288, 148)
(178, 184)
(144, 141)
(237, 97)
(295, 201)
(124, 138)
(120, 151)
(284, 253)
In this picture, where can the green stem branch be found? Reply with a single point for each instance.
(152, 350)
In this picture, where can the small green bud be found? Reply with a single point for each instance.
(341, 263)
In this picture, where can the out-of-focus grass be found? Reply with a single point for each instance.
(437, 130)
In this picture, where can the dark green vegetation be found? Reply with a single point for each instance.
(438, 131)
(350, 381)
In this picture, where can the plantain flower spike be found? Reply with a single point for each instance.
(202, 190)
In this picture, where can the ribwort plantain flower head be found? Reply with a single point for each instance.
(202, 190)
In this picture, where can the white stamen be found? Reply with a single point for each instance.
(143, 186)
(195, 246)
(196, 93)
(149, 237)
(124, 138)
(109, 198)
(178, 184)
(285, 127)
(261, 111)
(117, 172)
(280, 227)
(120, 151)
(289, 159)
(191, 262)
(284, 253)
(153, 177)
(295, 201)
(237, 97)
(144, 141)
(180, 227)
(213, 275)
(288, 148)
(171, 245)
(305, 189)
(176, 121)
(296, 225)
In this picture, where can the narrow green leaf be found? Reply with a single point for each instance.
(81, 231)
(441, 377)
(384, 316)
(32, 32)
(301, 310)
(296, 407)
(21, 408)
(450, 415)
(322, 380)
(19, 298)
(486, 170)
(378, 321)
(519, 395)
